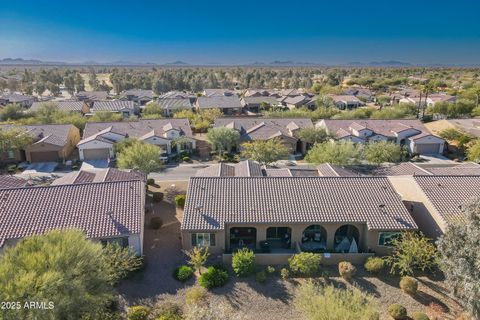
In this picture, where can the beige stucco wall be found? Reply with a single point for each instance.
(63, 152)
(417, 203)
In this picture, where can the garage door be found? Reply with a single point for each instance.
(46, 156)
(428, 148)
(96, 154)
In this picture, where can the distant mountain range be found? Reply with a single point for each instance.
(279, 63)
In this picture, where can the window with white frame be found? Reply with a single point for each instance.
(203, 239)
(387, 238)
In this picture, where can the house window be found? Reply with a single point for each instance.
(387, 238)
(10, 154)
(203, 239)
(122, 242)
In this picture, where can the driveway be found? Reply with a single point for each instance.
(182, 172)
(94, 164)
(40, 168)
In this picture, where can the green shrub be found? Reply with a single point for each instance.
(156, 223)
(168, 310)
(157, 196)
(305, 264)
(138, 313)
(150, 182)
(186, 159)
(270, 270)
(195, 295)
(346, 270)
(409, 285)
(261, 277)
(284, 273)
(397, 311)
(180, 200)
(243, 262)
(374, 265)
(213, 278)
(420, 316)
(183, 273)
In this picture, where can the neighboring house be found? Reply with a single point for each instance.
(125, 108)
(361, 93)
(286, 215)
(346, 102)
(68, 106)
(139, 96)
(24, 101)
(416, 100)
(333, 170)
(433, 99)
(254, 104)
(410, 133)
(266, 129)
(170, 105)
(108, 212)
(437, 201)
(229, 105)
(51, 143)
(412, 169)
(99, 175)
(99, 138)
(7, 182)
(296, 102)
(259, 93)
(219, 93)
(179, 95)
(90, 96)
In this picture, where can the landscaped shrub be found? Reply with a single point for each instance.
(305, 264)
(270, 270)
(157, 196)
(374, 265)
(195, 295)
(261, 277)
(150, 182)
(167, 310)
(409, 285)
(346, 270)
(243, 262)
(183, 273)
(397, 311)
(156, 223)
(138, 313)
(186, 159)
(213, 278)
(180, 200)
(420, 316)
(284, 273)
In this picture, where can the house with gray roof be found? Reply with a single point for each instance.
(171, 105)
(284, 129)
(346, 217)
(22, 100)
(107, 212)
(254, 104)
(229, 105)
(413, 169)
(66, 105)
(346, 102)
(90, 96)
(436, 201)
(99, 175)
(218, 93)
(124, 107)
(99, 138)
(409, 133)
(50, 143)
(138, 96)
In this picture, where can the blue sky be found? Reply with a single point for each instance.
(237, 32)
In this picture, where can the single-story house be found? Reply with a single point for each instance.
(433, 99)
(170, 105)
(255, 103)
(90, 96)
(296, 102)
(412, 169)
(22, 100)
(346, 218)
(139, 96)
(108, 212)
(8, 181)
(218, 93)
(51, 143)
(124, 107)
(100, 137)
(265, 129)
(410, 133)
(436, 201)
(99, 175)
(228, 104)
(67, 105)
(260, 93)
(362, 93)
(179, 95)
(343, 102)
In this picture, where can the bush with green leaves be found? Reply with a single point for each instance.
(409, 285)
(180, 200)
(121, 262)
(261, 277)
(138, 313)
(326, 303)
(243, 262)
(397, 311)
(383, 151)
(213, 278)
(305, 264)
(183, 273)
(339, 152)
(374, 265)
(195, 295)
(167, 310)
(346, 270)
(419, 316)
(284, 273)
(270, 270)
(197, 257)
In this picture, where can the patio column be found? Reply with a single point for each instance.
(330, 236)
